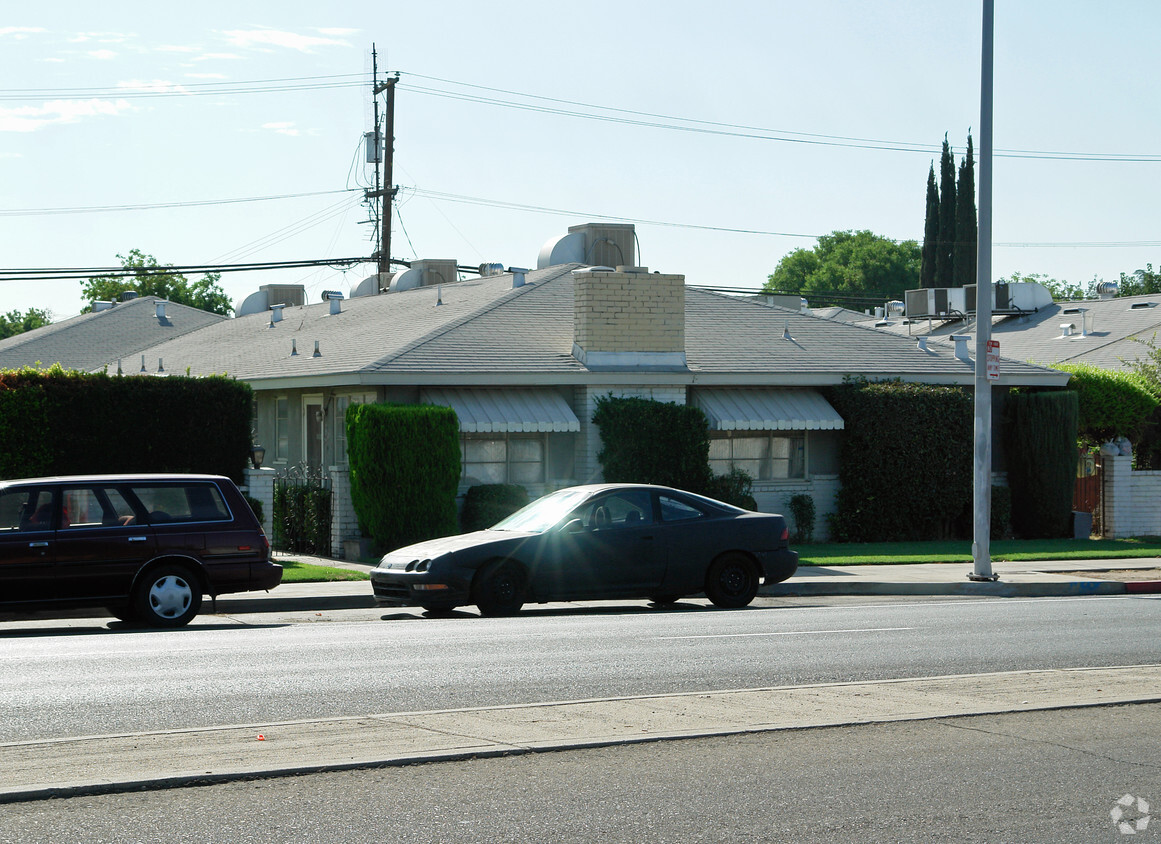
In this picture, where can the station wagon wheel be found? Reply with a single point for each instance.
(732, 581)
(167, 596)
(499, 589)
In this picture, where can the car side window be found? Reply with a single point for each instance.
(673, 510)
(182, 503)
(95, 507)
(25, 509)
(629, 508)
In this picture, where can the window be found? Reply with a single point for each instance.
(764, 457)
(282, 428)
(502, 459)
(183, 503)
(88, 507)
(631, 508)
(673, 510)
(25, 509)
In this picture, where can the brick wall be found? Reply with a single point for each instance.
(260, 486)
(1130, 500)
(629, 312)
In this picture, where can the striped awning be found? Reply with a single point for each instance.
(763, 409)
(499, 411)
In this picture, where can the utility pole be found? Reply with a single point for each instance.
(982, 458)
(384, 190)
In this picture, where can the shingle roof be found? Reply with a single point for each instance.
(485, 330)
(1037, 336)
(89, 341)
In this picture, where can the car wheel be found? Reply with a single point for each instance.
(499, 589)
(167, 596)
(663, 600)
(732, 581)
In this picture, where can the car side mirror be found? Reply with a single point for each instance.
(573, 526)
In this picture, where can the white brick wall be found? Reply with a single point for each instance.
(260, 486)
(344, 522)
(1130, 500)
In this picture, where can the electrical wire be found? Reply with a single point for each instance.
(150, 206)
(29, 274)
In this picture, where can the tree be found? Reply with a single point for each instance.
(14, 322)
(966, 228)
(930, 232)
(846, 263)
(1140, 283)
(945, 248)
(151, 279)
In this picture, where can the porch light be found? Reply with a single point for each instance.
(257, 453)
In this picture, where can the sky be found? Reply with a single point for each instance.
(730, 133)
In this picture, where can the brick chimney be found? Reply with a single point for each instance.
(628, 318)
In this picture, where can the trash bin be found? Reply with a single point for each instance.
(1081, 525)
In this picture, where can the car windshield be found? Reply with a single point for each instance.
(544, 512)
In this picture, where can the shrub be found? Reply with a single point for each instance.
(69, 423)
(486, 504)
(905, 461)
(1041, 449)
(802, 508)
(1109, 404)
(652, 442)
(405, 469)
(302, 517)
(735, 487)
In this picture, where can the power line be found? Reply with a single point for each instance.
(73, 273)
(191, 89)
(150, 206)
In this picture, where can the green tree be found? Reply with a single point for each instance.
(930, 232)
(945, 248)
(152, 279)
(849, 263)
(15, 322)
(966, 228)
(1140, 283)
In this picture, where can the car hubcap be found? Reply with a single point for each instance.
(170, 596)
(734, 580)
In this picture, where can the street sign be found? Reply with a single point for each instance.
(993, 359)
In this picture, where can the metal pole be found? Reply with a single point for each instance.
(982, 456)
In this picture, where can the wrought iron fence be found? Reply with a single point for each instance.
(302, 511)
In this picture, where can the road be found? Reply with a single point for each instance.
(1048, 776)
(75, 681)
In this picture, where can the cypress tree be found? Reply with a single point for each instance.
(966, 229)
(930, 233)
(945, 255)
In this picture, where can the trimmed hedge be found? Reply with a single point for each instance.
(906, 461)
(486, 504)
(405, 470)
(1109, 404)
(70, 423)
(1041, 450)
(652, 442)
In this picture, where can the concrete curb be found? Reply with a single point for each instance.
(996, 589)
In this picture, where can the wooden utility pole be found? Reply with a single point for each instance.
(384, 190)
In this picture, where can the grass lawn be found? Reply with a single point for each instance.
(887, 553)
(293, 572)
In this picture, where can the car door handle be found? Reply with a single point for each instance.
(138, 538)
(37, 544)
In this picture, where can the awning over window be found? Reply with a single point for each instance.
(505, 411)
(760, 409)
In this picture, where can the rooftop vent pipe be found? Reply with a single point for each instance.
(102, 306)
(961, 346)
(160, 310)
(336, 300)
(293, 347)
(1066, 329)
(517, 276)
(317, 353)
(922, 344)
(276, 313)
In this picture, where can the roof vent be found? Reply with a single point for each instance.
(922, 344)
(317, 353)
(276, 313)
(1066, 329)
(1107, 289)
(129, 295)
(293, 347)
(961, 346)
(102, 306)
(517, 276)
(160, 311)
(336, 300)
(1137, 306)
(487, 270)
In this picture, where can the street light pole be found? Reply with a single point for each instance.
(982, 453)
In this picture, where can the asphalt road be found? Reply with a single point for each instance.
(1051, 776)
(75, 681)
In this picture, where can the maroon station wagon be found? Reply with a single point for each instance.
(147, 547)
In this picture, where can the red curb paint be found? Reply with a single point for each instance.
(1144, 587)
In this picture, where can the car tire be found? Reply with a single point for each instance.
(661, 601)
(732, 581)
(167, 596)
(499, 589)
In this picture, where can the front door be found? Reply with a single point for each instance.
(313, 417)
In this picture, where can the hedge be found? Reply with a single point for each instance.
(651, 442)
(1110, 404)
(1041, 430)
(486, 504)
(62, 422)
(906, 461)
(404, 470)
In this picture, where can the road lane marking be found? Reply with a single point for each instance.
(788, 633)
